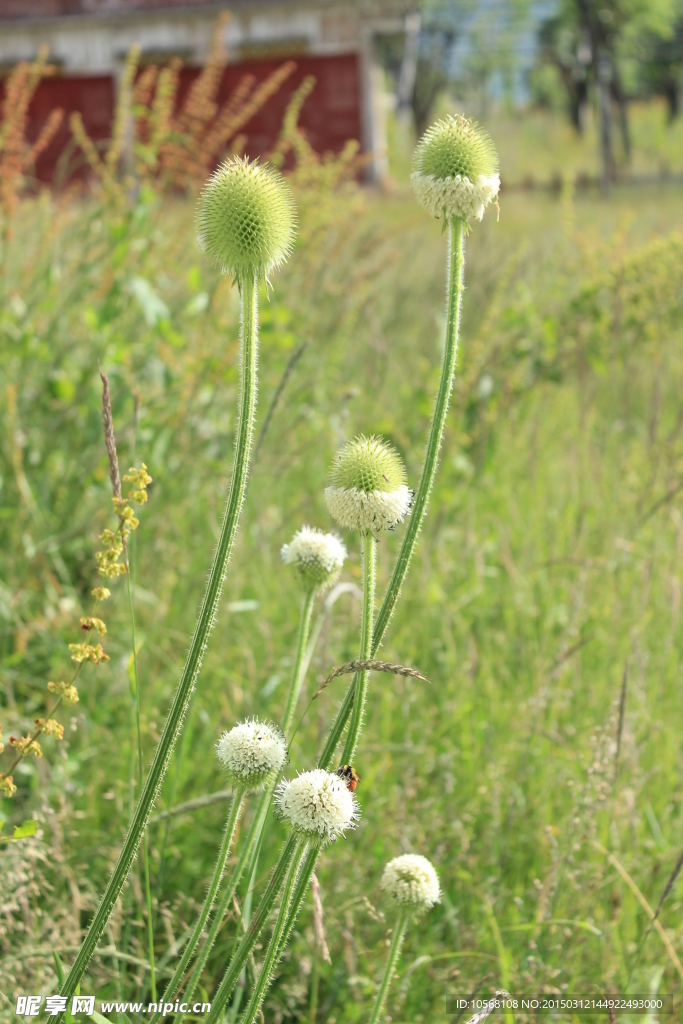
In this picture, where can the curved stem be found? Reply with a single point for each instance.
(456, 263)
(207, 616)
(273, 951)
(297, 673)
(395, 949)
(257, 922)
(226, 845)
(369, 552)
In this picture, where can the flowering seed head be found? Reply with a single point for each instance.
(412, 882)
(368, 486)
(252, 753)
(246, 219)
(318, 804)
(316, 557)
(455, 169)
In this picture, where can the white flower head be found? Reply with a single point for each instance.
(455, 169)
(316, 557)
(368, 489)
(317, 804)
(412, 882)
(252, 753)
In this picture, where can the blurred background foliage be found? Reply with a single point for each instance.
(544, 602)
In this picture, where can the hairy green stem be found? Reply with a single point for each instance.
(456, 262)
(245, 857)
(207, 617)
(300, 663)
(394, 950)
(257, 922)
(253, 842)
(369, 551)
(145, 854)
(272, 956)
(307, 869)
(226, 845)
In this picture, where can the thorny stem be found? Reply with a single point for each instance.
(273, 951)
(394, 950)
(257, 922)
(299, 662)
(456, 262)
(200, 639)
(226, 845)
(369, 549)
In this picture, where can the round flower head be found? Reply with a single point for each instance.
(317, 557)
(252, 753)
(317, 804)
(455, 169)
(246, 218)
(411, 881)
(368, 486)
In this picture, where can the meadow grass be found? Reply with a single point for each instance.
(550, 563)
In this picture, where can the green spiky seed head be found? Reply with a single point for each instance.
(455, 170)
(246, 219)
(368, 464)
(368, 489)
(456, 145)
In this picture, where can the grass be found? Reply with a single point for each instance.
(551, 558)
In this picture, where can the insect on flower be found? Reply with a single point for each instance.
(349, 775)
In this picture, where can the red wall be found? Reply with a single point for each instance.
(330, 115)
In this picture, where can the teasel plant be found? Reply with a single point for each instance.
(316, 559)
(246, 223)
(412, 885)
(455, 177)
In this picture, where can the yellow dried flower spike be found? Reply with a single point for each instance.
(89, 622)
(67, 691)
(7, 787)
(25, 745)
(50, 727)
(88, 652)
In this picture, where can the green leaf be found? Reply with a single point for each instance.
(29, 828)
(98, 1018)
(61, 975)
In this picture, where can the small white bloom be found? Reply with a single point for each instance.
(368, 510)
(318, 804)
(316, 556)
(455, 196)
(411, 881)
(252, 753)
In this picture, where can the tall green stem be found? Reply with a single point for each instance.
(297, 673)
(273, 951)
(394, 950)
(207, 617)
(226, 845)
(456, 263)
(145, 855)
(307, 869)
(257, 922)
(369, 552)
